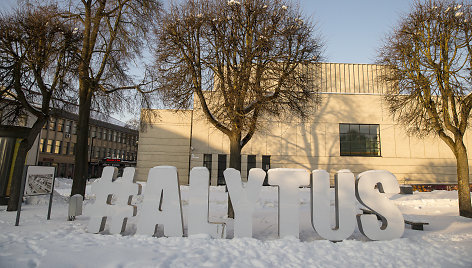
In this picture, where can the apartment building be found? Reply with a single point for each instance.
(110, 142)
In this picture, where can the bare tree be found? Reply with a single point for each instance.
(430, 55)
(114, 32)
(241, 59)
(37, 57)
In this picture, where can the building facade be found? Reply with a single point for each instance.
(109, 143)
(350, 129)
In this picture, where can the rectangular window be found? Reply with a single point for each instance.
(64, 149)
(99, 133)
(74, 128)
(266, 167)
(52, 123)
(60, 125)
(93, 132)
(207, 162)
(41, 145)
(221, 169)
(72, 148)
(49, 147)
(251, 163)
(104, 134)
(67, 126)
(110, 135)
(23, 120)
(359, 139)
(57, 148)
(67, 148)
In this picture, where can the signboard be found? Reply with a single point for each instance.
(36, 180)
(113, 160)
(39, 180)
(162, 204)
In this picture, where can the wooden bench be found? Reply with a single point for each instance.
(414, 225)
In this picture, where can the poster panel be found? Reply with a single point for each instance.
(39, 180)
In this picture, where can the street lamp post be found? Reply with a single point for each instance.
(90, 157)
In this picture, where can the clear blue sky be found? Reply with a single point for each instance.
(352, 29)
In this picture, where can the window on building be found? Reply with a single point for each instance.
(67, 148)
(99, 133)
(41, 145)
(60, 125)
(266, 167)
(23, 120)
(74, 128)
(251, 163)
(57, 147)
(52, 123)
(93, 133)
(72, 148)
(67, 126)
(359, 139)
(64, 148)
(207, 162)
(49, 146)
(221, 169)
(104, 134)
(110, 135)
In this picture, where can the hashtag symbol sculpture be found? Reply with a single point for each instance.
(113, 200)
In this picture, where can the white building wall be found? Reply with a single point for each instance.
(351, 95)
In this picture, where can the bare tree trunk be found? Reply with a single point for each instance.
(81, 157)
(234, 162)
(15, 187)
(465, 207)
(25, 146)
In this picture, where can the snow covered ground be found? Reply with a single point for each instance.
(445, 242)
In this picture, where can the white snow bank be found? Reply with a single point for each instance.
(446, 242)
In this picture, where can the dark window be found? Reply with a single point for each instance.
(266, 167)
(207, 162)
(359, 140)
(67, 126)
(251, 163)
(74, 128)
(221, 168)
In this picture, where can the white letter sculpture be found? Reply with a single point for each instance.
(161, 203)
(198, 205)
(244, 198)
(345, 210)
(288, 180)
(121, 191)
(392, 219)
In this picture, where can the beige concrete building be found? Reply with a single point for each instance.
(351, 129)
